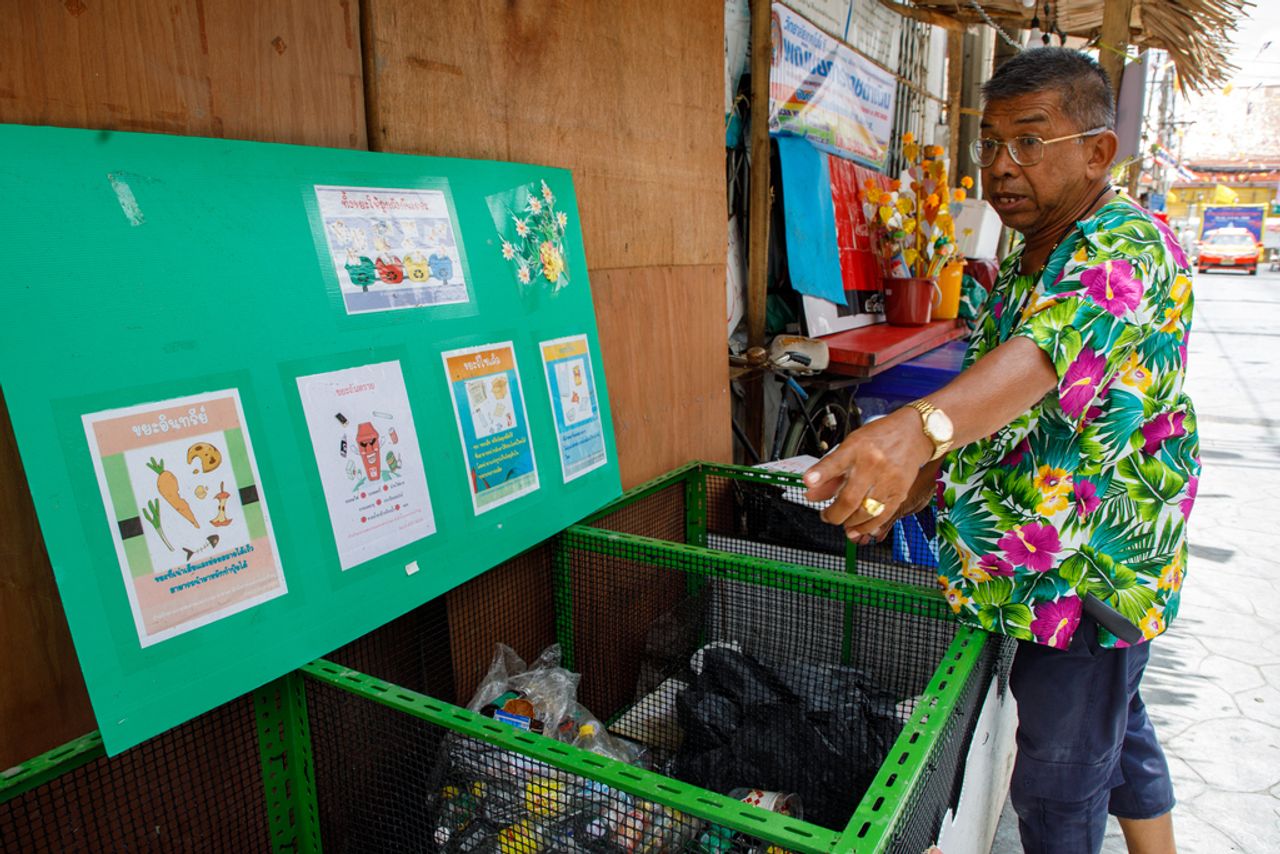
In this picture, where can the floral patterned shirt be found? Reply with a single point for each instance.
(1089, 491)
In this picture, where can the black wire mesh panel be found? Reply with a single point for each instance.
(754, 684)
(660, 514)
(391, 782)
(444, 647)
(774, 521)
(197, 787)
(944, 775)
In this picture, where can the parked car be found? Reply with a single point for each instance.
(1229, 248)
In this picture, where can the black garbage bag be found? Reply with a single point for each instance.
(765, 516)
(818, 731)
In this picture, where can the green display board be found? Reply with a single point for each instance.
(270, 397)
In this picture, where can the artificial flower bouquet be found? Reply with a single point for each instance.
(915, 232)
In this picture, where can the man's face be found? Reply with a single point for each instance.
(1029, 198)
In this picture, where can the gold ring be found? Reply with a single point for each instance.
(875, 508)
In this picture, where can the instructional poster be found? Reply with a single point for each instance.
(188, 516)
(488, 404)
(572, 388)
(371, 468)
(392, 249)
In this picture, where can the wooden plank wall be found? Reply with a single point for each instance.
(626, 95)
(629, 96)
(277, 71)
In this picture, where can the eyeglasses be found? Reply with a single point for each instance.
(1023, 150)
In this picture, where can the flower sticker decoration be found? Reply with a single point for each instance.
(532, 236)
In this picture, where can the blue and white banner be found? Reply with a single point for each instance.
(821, 90)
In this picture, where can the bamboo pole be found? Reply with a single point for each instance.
(955, 96)
(758, 209)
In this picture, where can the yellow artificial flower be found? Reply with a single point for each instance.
(911, 151)
(905, 205)
(966, 182)
(871, 194)
(908, 138)
(960, 195)
(933, 201)
(909, 225)
(1135, 374)
(910, 256)
(886, 214)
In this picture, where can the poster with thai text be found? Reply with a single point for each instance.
(371, 467)
(821, 90)
(188, 515)
(392, 249)
(488, 402)
(572, 388)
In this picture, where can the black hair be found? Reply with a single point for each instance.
(1084, 88)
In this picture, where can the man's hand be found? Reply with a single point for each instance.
(875, 465)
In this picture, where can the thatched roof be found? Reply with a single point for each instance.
(1196, 33)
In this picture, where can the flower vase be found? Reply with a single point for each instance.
(908, 301)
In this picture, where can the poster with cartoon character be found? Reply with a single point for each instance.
(572, 388)
(371, 470)
(488, 403)
(392, 249)
(187, 512)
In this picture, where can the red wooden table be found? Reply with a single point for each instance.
(870, 350)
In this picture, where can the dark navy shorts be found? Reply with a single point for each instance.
(1085, 744)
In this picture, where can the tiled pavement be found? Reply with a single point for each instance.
(1213, 685)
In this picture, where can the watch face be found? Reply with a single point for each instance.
(939, 426)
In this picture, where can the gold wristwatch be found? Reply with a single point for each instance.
(936, 425)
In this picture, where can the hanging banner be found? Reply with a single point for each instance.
(371, 470)
(187, 514)
(831, 258)
(488, 404)
(572, 388)
(821, 90)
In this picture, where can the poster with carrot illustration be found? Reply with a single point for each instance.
(187, 513)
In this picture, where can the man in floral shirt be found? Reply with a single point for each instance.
(1062, 509)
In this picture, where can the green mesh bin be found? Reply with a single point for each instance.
(371, 749)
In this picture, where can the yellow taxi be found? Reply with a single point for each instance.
(1229, 248)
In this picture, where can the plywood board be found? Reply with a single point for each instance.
(279, 71)
(627, 95)
(661, 334)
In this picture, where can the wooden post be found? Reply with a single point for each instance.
(1114, 40)
(759, 200)
(955, 96)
